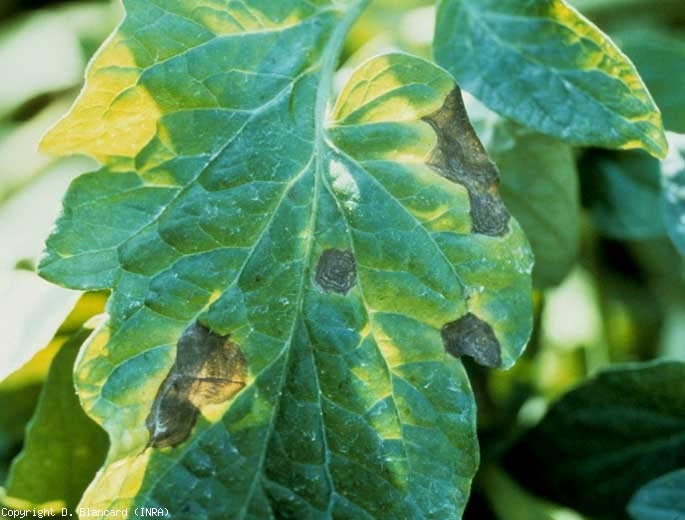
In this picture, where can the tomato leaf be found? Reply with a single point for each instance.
(545, 66)
(291, 284)
(629, 416)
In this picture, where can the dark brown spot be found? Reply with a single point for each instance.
(471, 336)
(460, 157)
(209, 369)
(336, 271)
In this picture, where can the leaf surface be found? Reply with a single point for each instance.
(545, 66)
(661, 499)
(630, 416)
(285, 285)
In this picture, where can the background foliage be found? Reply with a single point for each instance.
(589, 423)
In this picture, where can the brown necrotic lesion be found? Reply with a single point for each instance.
(473, 337)
(336, 271)
(209, 369)
(460, 157)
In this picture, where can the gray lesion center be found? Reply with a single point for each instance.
(473, 337)
(336, 271)
(209, 369)
(460, 157)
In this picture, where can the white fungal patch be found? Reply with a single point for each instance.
(344, 185)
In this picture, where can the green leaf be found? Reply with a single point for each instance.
(509, 500)
(623, 193)
(545, 66)
(659, 56)
(20, 392)
(544, 199)
(660, 499)
(17, 408)
(638, 13)
(285, 284)
(63, 447)
(625, 190)
(613, 434)
(673, 190)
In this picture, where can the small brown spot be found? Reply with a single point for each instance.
(209, 369)
(471, 336)
(460, 157)
(336, 271)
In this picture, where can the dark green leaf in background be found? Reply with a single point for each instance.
(623, 192)
(633, 196)
(598, 444)
(539, 184)
(661, 499)
(545, 66)
(540, 187)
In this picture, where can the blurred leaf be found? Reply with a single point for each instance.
(40, 54)
(31, 311)
(44, 52)
(540, 188)
(18, 7)
(388, 27)
(539, 185)
(545, 66)
(661, 499)
(478, 507)
(510, 501)
(633, 196)
(28, 216)
(673, 186)
(616, 14)
(34, 371)
(623, 192)
(63, 447)
(673, 338)
(18, 404)
(20, 161)
(19, 394)
(601, 442)
(660, 58)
